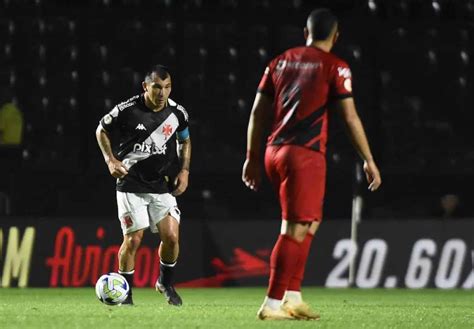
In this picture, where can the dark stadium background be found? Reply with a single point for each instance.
(69, 62)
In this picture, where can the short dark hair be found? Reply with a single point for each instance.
(320, 23)
(161, 71)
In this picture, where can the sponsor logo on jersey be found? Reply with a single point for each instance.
(140, 126)
(149, 148)
(344, 72)
(129, 102)
(121, 107)
(181, 108)
(283, 63)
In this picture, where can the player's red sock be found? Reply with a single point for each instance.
(298, 275)
(285, 255)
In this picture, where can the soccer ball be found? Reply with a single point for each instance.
(112, 289)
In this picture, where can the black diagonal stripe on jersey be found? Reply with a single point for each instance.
(308, 134)
(127, 146)
(301, 127)
(316, 146)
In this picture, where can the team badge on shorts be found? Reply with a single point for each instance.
(127, 220)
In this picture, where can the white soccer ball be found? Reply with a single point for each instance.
(112, 289)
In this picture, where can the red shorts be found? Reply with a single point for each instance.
(299, 177)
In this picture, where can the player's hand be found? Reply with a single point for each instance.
(372, 174)
(116, 168)
(181, 182)
(252, 174)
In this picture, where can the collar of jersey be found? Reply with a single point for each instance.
(143, 105)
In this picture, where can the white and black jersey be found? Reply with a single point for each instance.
(147, 143)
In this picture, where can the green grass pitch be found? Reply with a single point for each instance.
(236, 308)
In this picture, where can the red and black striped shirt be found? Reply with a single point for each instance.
(302, 82)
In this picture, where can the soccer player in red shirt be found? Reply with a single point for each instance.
(292, 102)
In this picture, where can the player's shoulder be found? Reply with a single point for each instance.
(132, 101)
(281, 58)
(178, 108)
(338, 66)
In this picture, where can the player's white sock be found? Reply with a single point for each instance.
(272, 303)
(293, 296)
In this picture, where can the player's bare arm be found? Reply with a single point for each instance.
(181, 182)
(116, 167)
(355, 130)
(259, 123)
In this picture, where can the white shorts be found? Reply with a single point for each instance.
(137, 211)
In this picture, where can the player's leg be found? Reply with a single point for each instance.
(130, 244)
(165, 208)
(293, 299)
(285, 256)
(293, 292)
(169, 251)
(307, 203)
(292, 163)
(133, 218)
(282, 259)
(168, 229)
(283, 262)
(126, 255)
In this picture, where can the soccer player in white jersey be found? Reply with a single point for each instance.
(150, 171)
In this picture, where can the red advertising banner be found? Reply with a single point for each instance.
(74, 252)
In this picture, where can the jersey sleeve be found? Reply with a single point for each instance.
(109, 121)
(266, 85)
(340, 82)
(183, 120)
